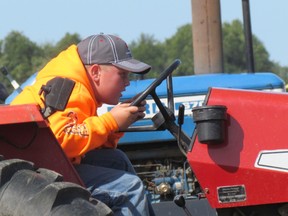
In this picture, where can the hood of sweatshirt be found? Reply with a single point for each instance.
(69, 65)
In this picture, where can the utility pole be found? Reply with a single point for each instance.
(207, 36)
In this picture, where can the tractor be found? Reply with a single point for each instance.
(210, 144)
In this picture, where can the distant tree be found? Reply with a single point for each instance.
(261, 57)
(179, 46)
(281, 71)
(149, 50)
(234, 50)
(20, 56)
(23, 57)
(233, 47)
(63, 44)
(51, 50)
(1, 50)
(161, 54)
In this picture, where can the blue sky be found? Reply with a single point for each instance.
(48, 20)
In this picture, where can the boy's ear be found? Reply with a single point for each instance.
(95, 72)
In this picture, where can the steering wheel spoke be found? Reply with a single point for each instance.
(152, 87)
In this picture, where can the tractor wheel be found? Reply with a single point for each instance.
(28, 192)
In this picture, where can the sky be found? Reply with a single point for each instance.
(45, 21)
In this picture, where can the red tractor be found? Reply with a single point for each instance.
(242, 168)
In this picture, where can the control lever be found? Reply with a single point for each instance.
(180, 123)
(180, 201)
(13, 82)
(181, 115)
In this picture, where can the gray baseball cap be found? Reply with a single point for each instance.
(109, 49)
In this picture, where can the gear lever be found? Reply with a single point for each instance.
(180, 201)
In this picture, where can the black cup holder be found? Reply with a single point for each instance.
(210, 123)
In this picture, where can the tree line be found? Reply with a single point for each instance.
(23, 57)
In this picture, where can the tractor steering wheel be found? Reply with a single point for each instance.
(151, 88)
(183, 139)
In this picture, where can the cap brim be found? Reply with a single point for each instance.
(133, 66)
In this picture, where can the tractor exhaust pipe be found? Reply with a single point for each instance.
(248, 36)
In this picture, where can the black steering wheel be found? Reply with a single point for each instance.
(166, 116)
(151, 88)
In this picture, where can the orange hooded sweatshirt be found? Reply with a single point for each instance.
(78, 128)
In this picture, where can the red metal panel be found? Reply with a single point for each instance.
(257, 121)
(24, 134)
(21, 114)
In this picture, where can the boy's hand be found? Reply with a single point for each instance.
(125, 115)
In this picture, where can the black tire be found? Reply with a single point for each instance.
(28, 192)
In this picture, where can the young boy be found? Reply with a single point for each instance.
(99, 65)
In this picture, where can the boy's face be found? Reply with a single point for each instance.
(109, 82)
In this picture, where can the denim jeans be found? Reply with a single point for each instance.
(110, 177)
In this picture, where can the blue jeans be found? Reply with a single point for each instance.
(110, 177)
